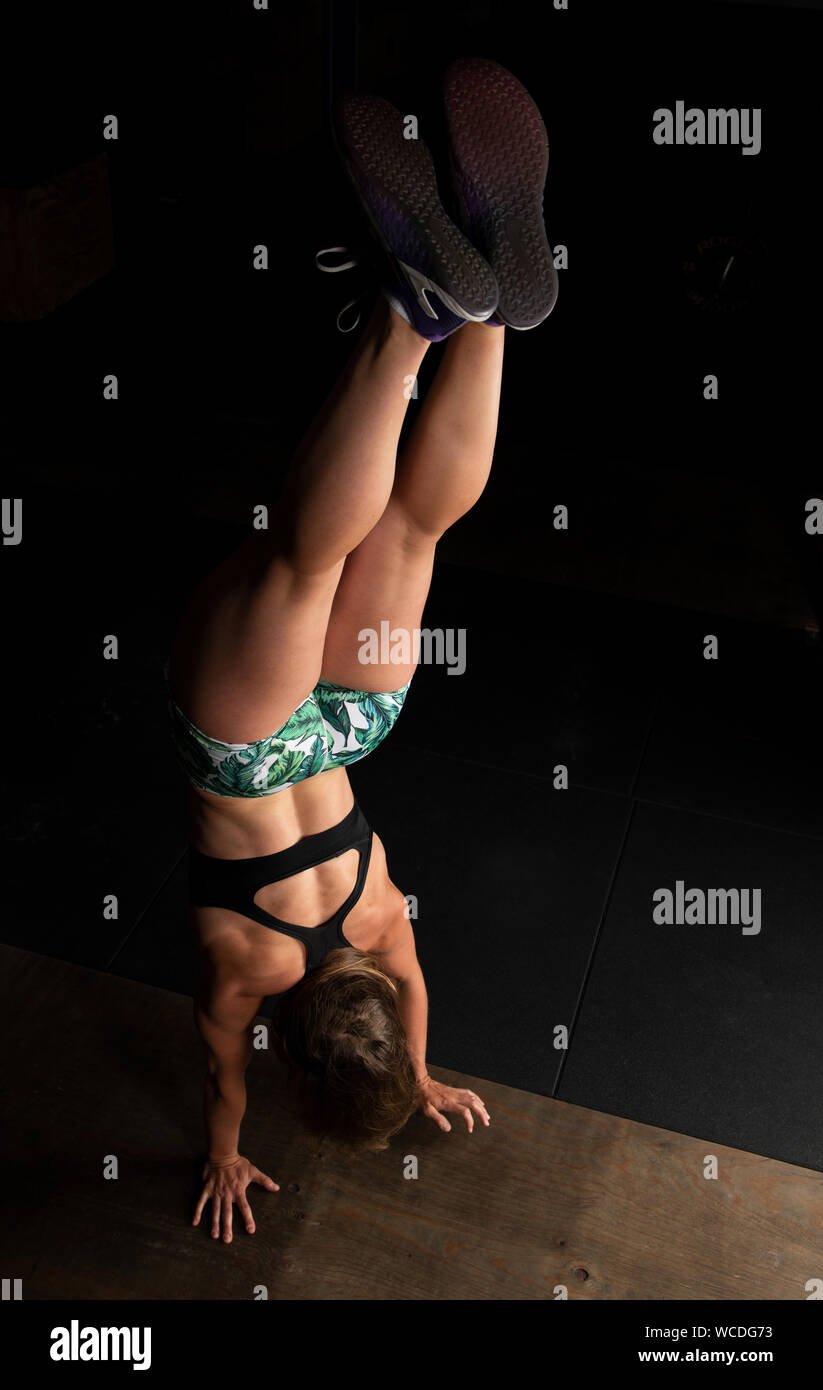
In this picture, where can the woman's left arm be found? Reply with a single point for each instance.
(413, 1007)
(399, 960)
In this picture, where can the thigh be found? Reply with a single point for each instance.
(382, 591)
(250, 644)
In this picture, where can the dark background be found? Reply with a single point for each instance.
(584, 648)
(224, 144)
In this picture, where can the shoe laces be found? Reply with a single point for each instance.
(353, 260)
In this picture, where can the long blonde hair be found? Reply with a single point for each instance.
(340, 1034)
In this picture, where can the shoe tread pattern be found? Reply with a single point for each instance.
(396, 182)
(500, 158)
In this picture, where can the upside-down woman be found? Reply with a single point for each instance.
(290, 888)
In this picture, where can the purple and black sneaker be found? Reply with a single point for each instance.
(499, 154)
(437, 279)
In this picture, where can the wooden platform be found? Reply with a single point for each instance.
(550, 1195)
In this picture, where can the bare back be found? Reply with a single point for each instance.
(254, 958)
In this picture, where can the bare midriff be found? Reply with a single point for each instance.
(237, 827)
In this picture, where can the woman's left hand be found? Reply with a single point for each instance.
(437, 1098)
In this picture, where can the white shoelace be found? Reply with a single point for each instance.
(334, 270)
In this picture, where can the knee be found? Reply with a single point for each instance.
(414, 531)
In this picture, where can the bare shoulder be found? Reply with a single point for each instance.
(387, 925)
(381, 894)
(241, 957)
(378, 854)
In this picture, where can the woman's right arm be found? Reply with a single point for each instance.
(224, 1020)
(226, 1030)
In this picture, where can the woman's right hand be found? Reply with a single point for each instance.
(225, 1183)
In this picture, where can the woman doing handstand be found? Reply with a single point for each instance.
(282, 860)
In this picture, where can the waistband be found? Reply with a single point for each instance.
(253, 873)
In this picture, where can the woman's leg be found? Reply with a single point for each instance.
(250, 645)
(441, 472)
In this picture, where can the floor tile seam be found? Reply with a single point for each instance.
(149, 905)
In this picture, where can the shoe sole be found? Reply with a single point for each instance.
(396, 184)
(499, 153)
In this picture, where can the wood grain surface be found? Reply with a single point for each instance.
(550, 1198)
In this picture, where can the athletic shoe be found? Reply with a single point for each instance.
(436, 278)
(499, 154)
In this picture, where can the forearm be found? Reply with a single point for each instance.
(224, 1105)
(413, 1006)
